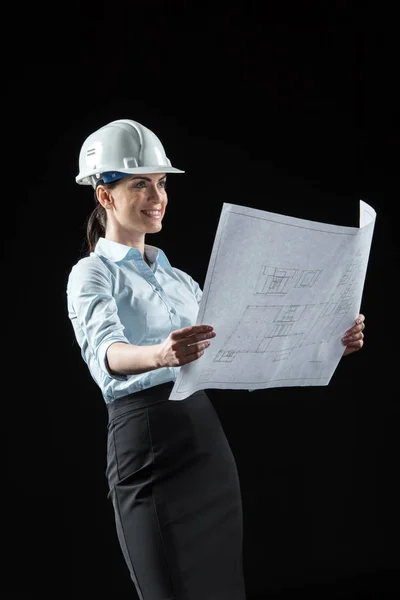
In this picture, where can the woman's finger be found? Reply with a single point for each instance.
(185, 332)
(194, 351)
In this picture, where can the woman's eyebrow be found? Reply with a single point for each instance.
(147, 178)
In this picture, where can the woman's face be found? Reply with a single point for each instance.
(138, 203)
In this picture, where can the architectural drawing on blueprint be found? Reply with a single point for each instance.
(278, 281)
(276, 330)
(280, 308)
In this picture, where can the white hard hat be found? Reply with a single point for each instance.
(121, 147)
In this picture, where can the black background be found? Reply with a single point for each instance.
(288, 107)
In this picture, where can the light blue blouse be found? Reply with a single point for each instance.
(113, 295)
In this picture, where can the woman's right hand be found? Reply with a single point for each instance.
(185, 345)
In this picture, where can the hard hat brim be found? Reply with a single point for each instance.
(85, 179)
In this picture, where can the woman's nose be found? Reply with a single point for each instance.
(155, 193)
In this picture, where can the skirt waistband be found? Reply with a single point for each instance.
(147, 397)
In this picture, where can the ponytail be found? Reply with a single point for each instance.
(96, 226)
(97, 221)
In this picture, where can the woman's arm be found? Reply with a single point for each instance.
(181, 347)
(127, 359)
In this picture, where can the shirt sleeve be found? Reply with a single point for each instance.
(198, 292)
(190, 283)
(90, 298)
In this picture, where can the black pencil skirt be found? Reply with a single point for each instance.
(176, 495)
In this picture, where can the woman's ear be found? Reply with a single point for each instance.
(103, 196)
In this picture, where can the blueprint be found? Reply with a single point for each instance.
(280, 292)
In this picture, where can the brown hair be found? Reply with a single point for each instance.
(97, 221)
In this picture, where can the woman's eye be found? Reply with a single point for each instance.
(142, 184)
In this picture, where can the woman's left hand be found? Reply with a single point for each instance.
(354, 338)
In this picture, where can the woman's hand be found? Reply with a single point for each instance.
(185, 345)
(354, 338)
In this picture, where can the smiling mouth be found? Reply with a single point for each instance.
(152, 214)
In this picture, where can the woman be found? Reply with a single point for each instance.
(172, 476)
